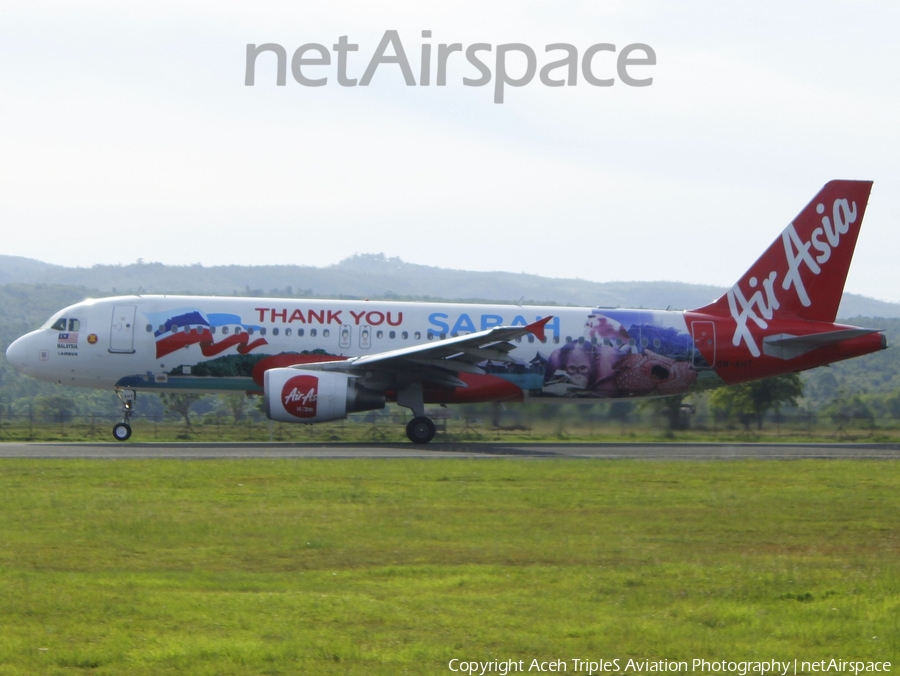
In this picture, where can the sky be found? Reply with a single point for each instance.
(127, 132)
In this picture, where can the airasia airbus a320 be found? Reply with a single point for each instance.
(319, 360)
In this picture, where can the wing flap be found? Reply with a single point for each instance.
(449, 364)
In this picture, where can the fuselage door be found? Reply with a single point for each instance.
(121, 333)
(365, 337)
(704, 334)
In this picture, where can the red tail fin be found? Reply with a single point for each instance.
(802, 273)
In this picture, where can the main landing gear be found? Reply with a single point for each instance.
(420, 429)
(122, 431)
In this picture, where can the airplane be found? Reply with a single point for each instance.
(319, 360)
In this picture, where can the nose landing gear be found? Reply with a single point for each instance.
(122, 431)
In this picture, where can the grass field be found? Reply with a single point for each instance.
(396, 567)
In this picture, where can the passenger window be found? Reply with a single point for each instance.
(430, 336)
(404, 335)
(262, 331)
(287, 332)
(212, 330)
(237, 330)
(379, 334)
(59, 325)
(149, 328)
(224, 330)
(417, 335)
(299, 332)
(274, 331)
(392, 335)
(250, 331)
(312, 332)
(162, 328)
(326, 332)
(74, 324)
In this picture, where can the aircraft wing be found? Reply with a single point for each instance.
(439, 362)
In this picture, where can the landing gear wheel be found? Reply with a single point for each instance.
(420, 430)
(122, 431)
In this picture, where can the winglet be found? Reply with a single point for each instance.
(537, 328)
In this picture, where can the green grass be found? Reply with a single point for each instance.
(392, 567)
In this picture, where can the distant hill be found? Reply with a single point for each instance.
(376, 276)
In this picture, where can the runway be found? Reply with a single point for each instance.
(606, 451)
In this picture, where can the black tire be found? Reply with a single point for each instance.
(420, 430)
(122, 432)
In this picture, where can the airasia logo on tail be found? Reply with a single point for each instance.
(300, 395)
(763, 299)
(797, 252)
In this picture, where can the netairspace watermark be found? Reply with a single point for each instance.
(646, 666)
(600, 64)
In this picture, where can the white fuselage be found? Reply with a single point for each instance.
(212, 343)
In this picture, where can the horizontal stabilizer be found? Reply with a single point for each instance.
(786, 346)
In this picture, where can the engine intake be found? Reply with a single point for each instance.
(295, 395)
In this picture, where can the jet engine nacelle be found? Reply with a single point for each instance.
(294, 395)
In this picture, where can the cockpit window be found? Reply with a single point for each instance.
(61, 324)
